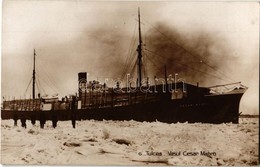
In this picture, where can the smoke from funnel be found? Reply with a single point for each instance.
(198, 57)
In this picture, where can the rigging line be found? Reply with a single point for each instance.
(144, 65)
(194, 55)
(49, 85)
(219, 77)
(133, 68)
(38, 88)
(132, 44)
(28, 70)
(40, 85)
(37, 85)
(205, 73)
(50, 78)
(47, 82)
(129, 61)
(144, 72)
(38, 81)
(45, 76)
(53, 87)
(193, 69)
(130, 50)
(153, 63)
(128, 65)
(197, 70)
(28, 73)
(157, 68)
(28, 86)
(125, 66)
(133, 62)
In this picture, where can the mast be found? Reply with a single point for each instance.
(165, 74)
(33, 84)
(139, 50)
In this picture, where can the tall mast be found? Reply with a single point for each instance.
(139, 50)
(33, 86)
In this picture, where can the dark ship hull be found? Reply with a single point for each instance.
(209, 108)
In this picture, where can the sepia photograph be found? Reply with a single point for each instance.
(130, 83)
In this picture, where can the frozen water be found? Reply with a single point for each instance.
(131, 143)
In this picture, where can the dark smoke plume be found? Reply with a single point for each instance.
(198, 57)
(102, 53)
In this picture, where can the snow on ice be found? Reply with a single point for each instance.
(131, 143)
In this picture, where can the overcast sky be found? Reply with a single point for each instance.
(74, 36)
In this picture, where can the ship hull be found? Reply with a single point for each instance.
(207, 109)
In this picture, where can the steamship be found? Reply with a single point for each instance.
(167, 100)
